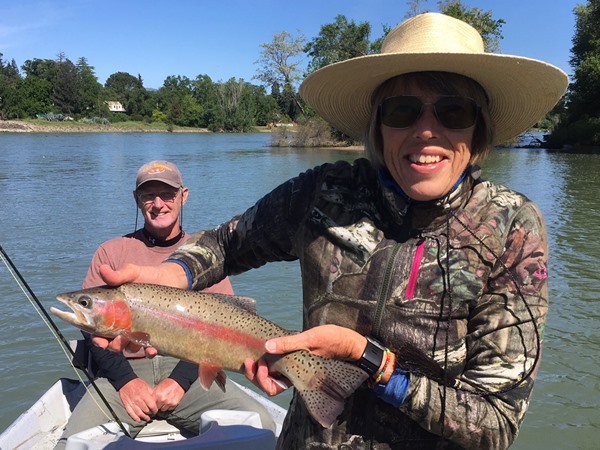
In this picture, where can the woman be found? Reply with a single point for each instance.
(429, 278)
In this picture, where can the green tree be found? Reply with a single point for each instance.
(66, 93)
(338, 41)
(122, 83)
(176, 100)
(267, 109)
(41, 68)
(489, 28)
(580, 119)
(9, 82)
(130, 91)
(235, 99)
(279, 65)
(35, 96)
(280, 59)
(206, 94)
(89, 88)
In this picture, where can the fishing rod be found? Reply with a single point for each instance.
(20, 280)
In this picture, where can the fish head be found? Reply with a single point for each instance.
(101, 311)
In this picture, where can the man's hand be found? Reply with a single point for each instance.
(167, 394)
(121, 343)
(138, 400)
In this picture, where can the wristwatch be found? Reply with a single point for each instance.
(372, 357)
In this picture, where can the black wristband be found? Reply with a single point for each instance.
(372, 357)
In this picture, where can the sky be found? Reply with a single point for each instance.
(222, 38)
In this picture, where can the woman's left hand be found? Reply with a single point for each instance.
(327, 341)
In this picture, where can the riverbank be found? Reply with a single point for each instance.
(44, 126)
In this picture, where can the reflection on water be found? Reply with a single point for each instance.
(64, 194)
(565, 186)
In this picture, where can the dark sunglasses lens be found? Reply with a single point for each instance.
(167, 196)
(400, 112)
(456, 113)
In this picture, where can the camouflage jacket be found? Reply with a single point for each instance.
(463, 279)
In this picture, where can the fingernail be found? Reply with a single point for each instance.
(270, 346)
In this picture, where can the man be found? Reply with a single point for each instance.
(140, 389)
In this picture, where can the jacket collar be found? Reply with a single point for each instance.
(417, 216)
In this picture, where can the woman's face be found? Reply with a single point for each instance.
(426, 159)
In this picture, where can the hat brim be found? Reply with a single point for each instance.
(174, 184)
(520, 90)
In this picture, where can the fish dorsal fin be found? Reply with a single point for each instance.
(246, 303)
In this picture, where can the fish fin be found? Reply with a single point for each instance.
(246, 303)
(323, 384)
(209, 373)
(138, 337)
(221, 379)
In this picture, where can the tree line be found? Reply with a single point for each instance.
(58, 88)
(579, 111)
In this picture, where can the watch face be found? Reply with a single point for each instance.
(372, 357)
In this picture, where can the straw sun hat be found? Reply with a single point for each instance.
(520, 90)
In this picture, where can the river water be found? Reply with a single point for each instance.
(66, 193)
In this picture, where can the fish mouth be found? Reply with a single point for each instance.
(78, 317)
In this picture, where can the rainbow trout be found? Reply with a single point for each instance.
(216, 331)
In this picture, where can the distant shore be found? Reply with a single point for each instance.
(44, 126)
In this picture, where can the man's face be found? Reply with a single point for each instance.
(161, 206)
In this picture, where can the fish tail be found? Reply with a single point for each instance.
(323, 384)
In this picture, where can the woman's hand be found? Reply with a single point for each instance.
(167, 274)
(327, 341)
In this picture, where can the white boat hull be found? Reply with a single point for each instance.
(41, 426)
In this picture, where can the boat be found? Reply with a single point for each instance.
(40, 427)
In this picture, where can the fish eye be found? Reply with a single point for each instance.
(85, 301)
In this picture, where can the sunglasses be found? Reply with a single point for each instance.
(165, 196)
(453, 112)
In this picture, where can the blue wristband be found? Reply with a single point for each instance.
(188, 272)
(394, 392)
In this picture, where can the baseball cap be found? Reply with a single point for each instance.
(159, 170)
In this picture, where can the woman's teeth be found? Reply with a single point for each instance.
(424, 159)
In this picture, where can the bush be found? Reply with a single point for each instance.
(584, 132)
(159, 116)
(313, 132)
